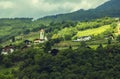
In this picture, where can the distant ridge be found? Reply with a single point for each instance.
(110, 9)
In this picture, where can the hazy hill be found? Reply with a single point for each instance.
(110, 8)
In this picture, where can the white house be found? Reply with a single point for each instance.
(83, 38)
(7, 50)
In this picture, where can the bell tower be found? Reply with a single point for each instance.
(42, 34)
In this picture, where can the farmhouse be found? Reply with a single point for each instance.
(7, 50)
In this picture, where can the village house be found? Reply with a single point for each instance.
(28, 43)
(7, 50)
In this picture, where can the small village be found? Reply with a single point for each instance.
(27, 43)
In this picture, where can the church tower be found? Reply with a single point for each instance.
(42, 34)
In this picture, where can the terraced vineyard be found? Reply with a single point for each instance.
(94, 31)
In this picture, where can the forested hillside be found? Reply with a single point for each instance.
(17, 30)
(80, 63)
(68, 30)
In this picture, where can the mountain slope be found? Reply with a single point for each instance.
(110, 9)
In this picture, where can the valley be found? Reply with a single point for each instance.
(84, 44)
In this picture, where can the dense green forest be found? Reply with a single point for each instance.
(80, 63)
